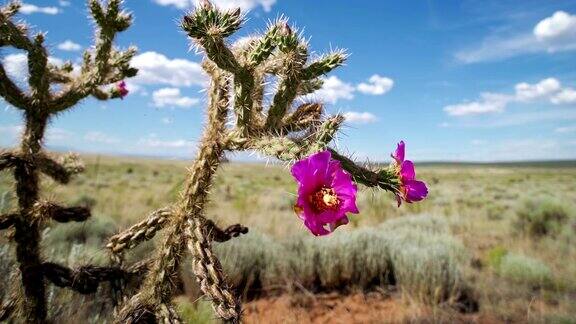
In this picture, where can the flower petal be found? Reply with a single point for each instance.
(311, 171)
(400, 152)
(415, 190)
(315, 227)
(342, 221)
(407, 171)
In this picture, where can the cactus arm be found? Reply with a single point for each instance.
(102, 67)
(46, 209)
(304, 117)
(8, 160)
(11, 93)
(295, 56)
(157, 289)
(7, 220)
(324, 65)
(384, 178)
(140, 232)
(86, 279)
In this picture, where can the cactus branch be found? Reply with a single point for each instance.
(143, 231)
(384, 178)
(7, 220)
(208, 270)
(324, 65)
(9, 160)
(158, 287)
(45, 209)
(7, 308)
(11, 93)
(53, 169)
(214, 233)
(84, 280)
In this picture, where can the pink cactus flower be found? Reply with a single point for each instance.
(411, 190)
(121, 89)
(325, 193)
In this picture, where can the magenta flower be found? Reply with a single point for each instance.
(411, 190)
(325, 193)
(121, 89)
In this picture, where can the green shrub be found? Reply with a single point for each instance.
(199, 312)
(415, 253)
(525, 270)
(541, 217)
(424, 257)
(495, 256)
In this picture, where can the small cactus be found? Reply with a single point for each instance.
(103, 66)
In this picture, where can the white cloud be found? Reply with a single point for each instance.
(333, 90)
(28, 9)
(224, 4)
(551, 34)
(99, 137)
(529, 92)
(557, 31)
(172, 97)
(566, 96)
(64, 3)
(152, 141)
(69, 45)
(11, 130)
(180, 4)
(360, 117)
(16, 65)
(566, 129)
(478, 142)
(167, 120)
(155, 68)
(376, 85)
(57, 134)
(549, 89)
(488, 103)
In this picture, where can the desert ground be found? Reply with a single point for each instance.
(493, 243)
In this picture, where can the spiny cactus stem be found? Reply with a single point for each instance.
(143, 231)
(11, 93)
(7, 220)
(84, 280)
(27, 234)
(9, 160)
(7, 308)
(384, 179)
(243, 85)
(45, 209)
(287, 91)
(208, 271)
(158, 286)
(219, 53)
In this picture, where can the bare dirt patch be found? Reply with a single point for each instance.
(353, 308)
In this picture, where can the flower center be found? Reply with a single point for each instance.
(324, 199)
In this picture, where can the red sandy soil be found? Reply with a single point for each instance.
(354, 308)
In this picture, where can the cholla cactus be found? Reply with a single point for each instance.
(282, 130)
(102, 66)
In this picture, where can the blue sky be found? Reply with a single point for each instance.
(457, 80)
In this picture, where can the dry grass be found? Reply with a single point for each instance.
(476, 211)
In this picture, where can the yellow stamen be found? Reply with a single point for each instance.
(324, 199)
